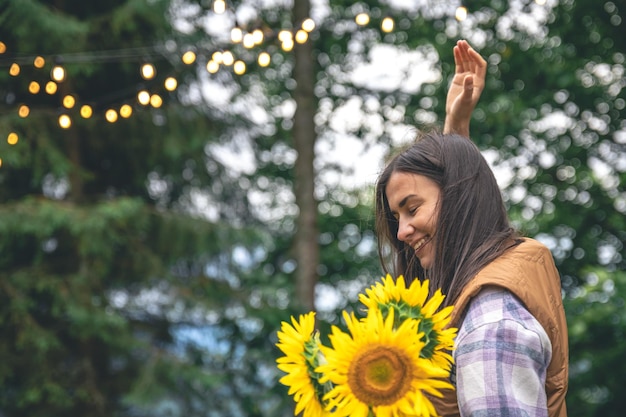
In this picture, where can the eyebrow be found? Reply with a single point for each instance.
(403, 202)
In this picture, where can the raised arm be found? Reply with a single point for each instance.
(465, 90)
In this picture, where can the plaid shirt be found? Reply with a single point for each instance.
(501, 357)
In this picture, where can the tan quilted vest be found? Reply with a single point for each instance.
(526, 270)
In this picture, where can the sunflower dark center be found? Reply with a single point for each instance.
(380, 375)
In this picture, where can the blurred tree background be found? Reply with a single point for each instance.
(150, 249)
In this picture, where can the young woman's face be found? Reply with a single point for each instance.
(413, 200)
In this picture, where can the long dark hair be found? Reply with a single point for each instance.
(472, 228)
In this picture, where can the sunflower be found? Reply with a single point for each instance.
(413, 302)
(377, 369)
(301, 345)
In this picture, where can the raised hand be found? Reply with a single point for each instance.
(465, 90)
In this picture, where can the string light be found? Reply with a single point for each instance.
(219, 6)
(228, 58)
(51, 87)
(143, 97)
(236, 35)
(239, 67)
(23, 111)
(189, 57)
(64, 121)
(148, 71)
(12, 138)
(170, 84)
(86, 111)
(69, 101)
(217, 57)
(111, 116)
(39, 62)
(387, 24)
(257, 36)
(362, 19)
(126, 111)
(212, 66)
(308, 25)
(461, 13)
(302, 36)
(264, 59)
(3, 48)
(58, 73)
(156, 101)
(34, 87)
(248, 41)
(14, 70)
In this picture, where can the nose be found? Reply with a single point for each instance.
(405, 229)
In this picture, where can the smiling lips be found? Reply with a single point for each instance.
(420, 244)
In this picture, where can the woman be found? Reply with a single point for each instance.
(440, 212)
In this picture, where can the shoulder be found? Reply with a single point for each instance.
(496, 316)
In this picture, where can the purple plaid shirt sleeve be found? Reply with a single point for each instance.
(501, 357)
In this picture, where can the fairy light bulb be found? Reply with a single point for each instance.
(58, 73)
(461, 13)
(111, 116)
(39, 62)
(284, 35)
(34, 87)
(14, 70)
(69, 101)
(12, 138)
(258, 36)
(143, 97)
(3, 47)
(228, 58)
(308, 25)
(264, 59)
(362, 19)
(156, 101)
(86, 111)
(126, 111)
(64, 121)
(302, 36)
(23, 111)
(148, 71)
(212, 66)
(51, 87)
(248, 41)
(217, 57)
(387, 24)
(239, 67)
(219, 6)
(236, 35)
(189, 57)
(540, 2)
(287, 45)
(170, 84)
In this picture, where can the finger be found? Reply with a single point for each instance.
(468, 88)
(479, 65)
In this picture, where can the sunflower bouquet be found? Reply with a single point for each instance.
(383, 364)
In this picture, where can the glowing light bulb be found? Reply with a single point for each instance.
(219, 6)
(228, 58)
(236, 35)
(39, 62)
(12, 138)
(239, 67)
(64, 121)
(308, 25)
(212, 66)
(287, 45)
(3, 48)
(51, 87)
(258, 36)
(143, 97)
(148, 71)
(189, 57)
(14, 70)
(217, 57)
(362, 19)
(86, 111)
(126, 111)
(34, 87)
(461, 13)
(540, 2)
(170, 83)
(248, 41)
(23, 111)
(69, 101)
(58, 73)
(156, 101)
(387, 24)
(302, 36)
(111, 116)
(284, 35)
(264, 59)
